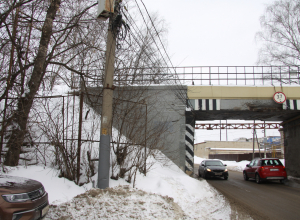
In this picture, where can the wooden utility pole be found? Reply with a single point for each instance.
(107, 101)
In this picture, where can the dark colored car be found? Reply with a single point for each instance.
(212, 168)
(22, 199)
(262, 169)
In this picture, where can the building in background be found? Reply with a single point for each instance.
(241, 149)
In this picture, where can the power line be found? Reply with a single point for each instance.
(136, 40)
(180, 92)
(140, 37)
(150, 32)
(157, 33)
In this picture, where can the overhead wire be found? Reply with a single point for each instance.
(150, 32)
(141, 38)
(138, 41)
(139, 33)
(182, 95)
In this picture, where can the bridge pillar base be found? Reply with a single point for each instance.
(291, 130)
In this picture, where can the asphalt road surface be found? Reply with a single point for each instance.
(268, 200)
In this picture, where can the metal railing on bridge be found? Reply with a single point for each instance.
(237, 75)
(202, 75)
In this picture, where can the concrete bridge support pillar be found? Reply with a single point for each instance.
(291, 130)
(189, 143)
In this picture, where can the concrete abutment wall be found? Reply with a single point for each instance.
(291, 130)
(165, 107)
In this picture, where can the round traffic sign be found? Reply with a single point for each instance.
(279, 97)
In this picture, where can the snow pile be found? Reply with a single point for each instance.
(197, 198)
(236, 166)
(122, 202)
(166, 192)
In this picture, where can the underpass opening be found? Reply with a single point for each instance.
(238, 140)
(209, 103)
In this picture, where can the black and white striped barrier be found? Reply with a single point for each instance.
(215, 104)
(189, 149)
(207, 104)
(291, 104)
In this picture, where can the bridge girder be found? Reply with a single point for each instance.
(212, 126)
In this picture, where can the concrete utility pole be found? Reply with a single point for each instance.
(107, 101)
(253, 140)
(265, 135)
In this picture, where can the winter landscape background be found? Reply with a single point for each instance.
(166, 192)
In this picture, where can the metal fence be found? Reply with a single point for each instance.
(61, 120)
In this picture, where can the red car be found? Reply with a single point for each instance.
(262, 169)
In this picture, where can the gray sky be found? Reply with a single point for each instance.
(211, 32)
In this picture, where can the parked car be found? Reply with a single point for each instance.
(262, 169)
(22, 199)
(212, 168)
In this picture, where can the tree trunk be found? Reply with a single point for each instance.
(20, 116)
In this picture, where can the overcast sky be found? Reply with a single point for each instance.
(211, 32)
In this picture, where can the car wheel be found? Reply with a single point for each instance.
(245, 176)
(225, 177)
(282, 181)
(199, 173)
(257, 178)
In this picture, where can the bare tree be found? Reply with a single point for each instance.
(20, 116)
(42, 52)
(56, 120)
(280, 34)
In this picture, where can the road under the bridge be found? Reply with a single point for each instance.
(269, 200)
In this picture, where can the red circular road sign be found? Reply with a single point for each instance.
(279, 97)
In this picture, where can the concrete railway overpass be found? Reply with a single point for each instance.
(211, 96)
(248, 103)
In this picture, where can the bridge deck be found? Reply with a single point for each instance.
(243, 102)
(241, 92)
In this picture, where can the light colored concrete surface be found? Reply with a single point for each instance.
(240, 92)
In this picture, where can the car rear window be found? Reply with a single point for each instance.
(271, 162)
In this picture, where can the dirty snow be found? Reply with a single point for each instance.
(166, 192)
